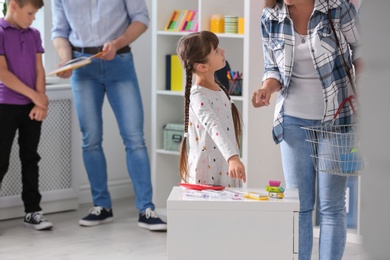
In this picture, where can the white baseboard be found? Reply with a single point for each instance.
(17, 211)
(119, 189)
(51, 202)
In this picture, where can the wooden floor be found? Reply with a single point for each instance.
(121, 239)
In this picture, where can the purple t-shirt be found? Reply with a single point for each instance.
(20, 47)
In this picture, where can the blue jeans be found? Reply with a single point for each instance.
(118, 80)
(299, 172)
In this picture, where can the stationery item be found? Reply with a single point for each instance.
(176, 21)
(274, 183)
(183, 20)
(241, 25)
(234, 195)
(213, 193)
(202, 186)
(231, 24)
(195, 193)
(256, 196)
(217, 23)
(235, 82)
(75, 63)
(190, 23)
(174, 73)
(276, 195)
(274, 189)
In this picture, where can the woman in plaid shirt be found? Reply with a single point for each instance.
(304, 65)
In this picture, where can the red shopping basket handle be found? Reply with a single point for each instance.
(348, 99)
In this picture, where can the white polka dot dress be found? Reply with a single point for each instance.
(211, 137)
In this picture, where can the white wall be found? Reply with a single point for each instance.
(374, 96)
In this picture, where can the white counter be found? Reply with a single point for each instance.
(222, 228)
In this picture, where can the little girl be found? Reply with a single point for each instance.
(212, 122)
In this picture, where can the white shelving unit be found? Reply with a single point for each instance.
(244, 53)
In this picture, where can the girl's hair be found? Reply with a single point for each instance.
(193, 49)
(36, 3)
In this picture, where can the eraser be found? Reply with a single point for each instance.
(274, 189)
(274, 183)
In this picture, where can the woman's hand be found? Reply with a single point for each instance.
(262, 96)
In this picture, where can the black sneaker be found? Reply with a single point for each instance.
(97, 215)
(37, 221)
(150, 220)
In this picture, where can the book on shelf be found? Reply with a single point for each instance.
(190, 23)
(174, 73)
(183, 20)
(75, 63)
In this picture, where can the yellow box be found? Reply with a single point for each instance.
(217, 23)
(241, 25)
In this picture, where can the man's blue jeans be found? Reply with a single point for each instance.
(118, 80)
(299, 172)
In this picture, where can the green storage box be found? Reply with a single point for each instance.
(173, 135)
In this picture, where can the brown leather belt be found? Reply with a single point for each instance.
(94, 50)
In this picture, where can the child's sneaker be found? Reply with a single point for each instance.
(151, 221)
(37, 220)
(97, 215)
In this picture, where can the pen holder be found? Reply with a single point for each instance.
(235, 87)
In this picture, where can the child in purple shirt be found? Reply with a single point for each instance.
(23, 102)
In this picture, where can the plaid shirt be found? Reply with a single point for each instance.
(278, 46)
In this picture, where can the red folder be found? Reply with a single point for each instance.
(202, 186)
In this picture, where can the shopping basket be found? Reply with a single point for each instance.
(335, 148)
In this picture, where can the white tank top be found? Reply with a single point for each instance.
(305, 97)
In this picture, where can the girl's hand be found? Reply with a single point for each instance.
(236, 168)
